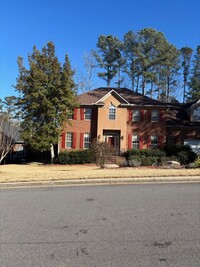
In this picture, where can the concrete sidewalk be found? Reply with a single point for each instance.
(92, 181)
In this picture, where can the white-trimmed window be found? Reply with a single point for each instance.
(69, 138)
(135, 141)
(136, 115)
(154, 115)
(196, 114)
(70, 115)
(87, 113)
(154, 141)
(86, 140)
(112, 112)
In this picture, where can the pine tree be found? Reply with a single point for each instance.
(194, 83)
(109, 57)
(46, 92)
(186, 54)
(149, 56)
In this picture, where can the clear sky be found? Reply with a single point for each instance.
(74, 26)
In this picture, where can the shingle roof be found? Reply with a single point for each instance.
(127, 97)
(177, 116)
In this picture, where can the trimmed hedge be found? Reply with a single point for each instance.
(75, 157)
(145, 153)
(147, 157)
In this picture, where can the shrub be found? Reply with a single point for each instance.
(75, 157)
(183, 153)
(145, 153)
(134, 161)
(102, 152)
(149, 161)
(197, 163)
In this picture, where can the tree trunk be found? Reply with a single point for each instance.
(52, 153)
(143, 85)
(184, 91)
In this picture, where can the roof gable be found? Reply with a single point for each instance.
(114, 94)
(125, 96)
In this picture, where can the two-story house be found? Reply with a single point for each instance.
(127, 120)
(183, 124)
(121, 117)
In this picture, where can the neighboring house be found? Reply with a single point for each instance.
(183, 125)
(19, 153)
(126, 119)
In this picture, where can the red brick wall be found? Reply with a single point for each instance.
(78, 126)
(145, 128)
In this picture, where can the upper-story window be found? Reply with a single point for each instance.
(154, 115)
(196, 114)
(136, 115)
(70, 115)
(112, 112)
(87, 113)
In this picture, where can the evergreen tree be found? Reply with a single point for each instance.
(186, 54)
(109, 57)
(131, 55)
(150, 60)
(169, 73)
(194, 83)
(46, 92)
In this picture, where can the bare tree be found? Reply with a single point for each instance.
(8, 134)
(9, 127)
(85, 77)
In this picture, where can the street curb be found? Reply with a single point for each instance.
(173, 179)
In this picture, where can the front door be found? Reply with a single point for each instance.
(113, 140)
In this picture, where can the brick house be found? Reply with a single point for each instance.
(127, 120)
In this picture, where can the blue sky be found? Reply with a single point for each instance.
(74, 27)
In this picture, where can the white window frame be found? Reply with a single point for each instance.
(86, 140)
(70, 115)
(136, 115)
(87, 113)
(69, 140)
(155, 115)
(154, 141)
(112, 112)
(135, 141)
(196, 114)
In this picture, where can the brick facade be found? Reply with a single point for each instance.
(126, 120)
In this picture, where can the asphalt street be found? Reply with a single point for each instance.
(109, 225)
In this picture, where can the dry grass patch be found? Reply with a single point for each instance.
(35, 172)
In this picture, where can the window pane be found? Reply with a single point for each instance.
(135, 141)
(87, 113)
(154, 115)
(70, 115)
(170, 140)
(69, 140)
(136, 115)
(112, 112)
(196, 114)
(154, 141)
(86, 140)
